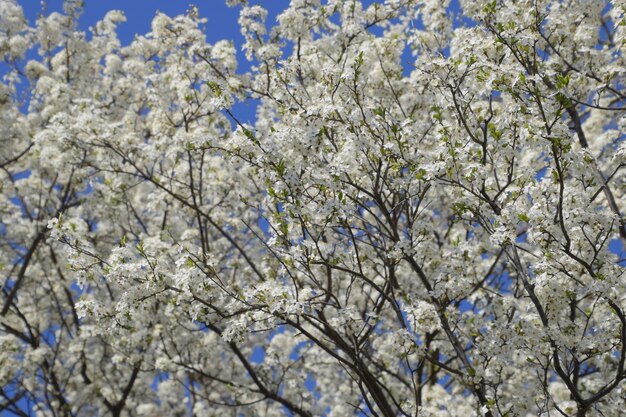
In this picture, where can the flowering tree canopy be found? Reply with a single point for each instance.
(424, 219)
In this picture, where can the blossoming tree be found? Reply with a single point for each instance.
(425, 218)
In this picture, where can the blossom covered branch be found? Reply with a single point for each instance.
(426, 217)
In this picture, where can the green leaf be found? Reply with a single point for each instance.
(437, 115)
(215, 88)
(562, 81)
(490, 8)
(280, 167)
(563, 100)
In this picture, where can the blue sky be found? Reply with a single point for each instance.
(221, 22)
